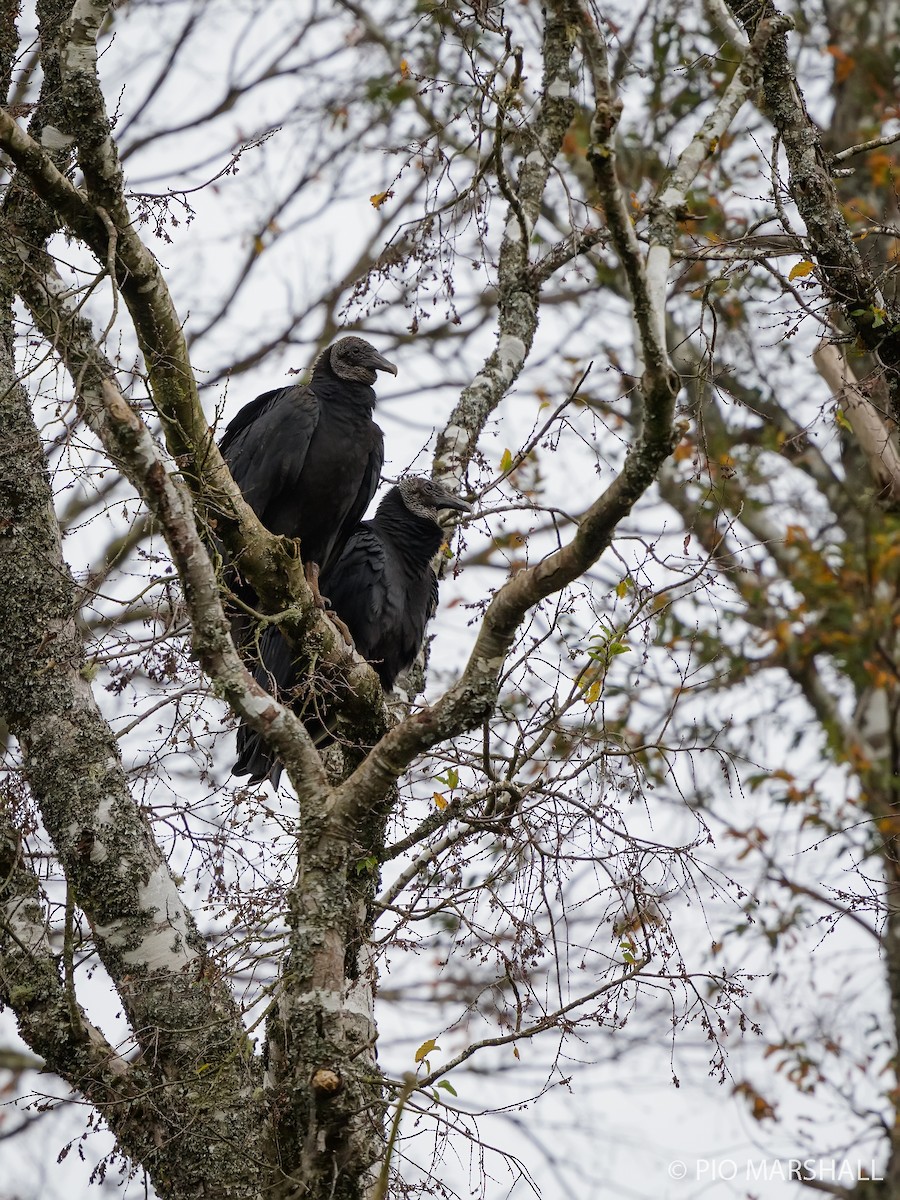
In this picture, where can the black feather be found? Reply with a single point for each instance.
(307, 458)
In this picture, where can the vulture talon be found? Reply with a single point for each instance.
(311, 571)
(341, 627)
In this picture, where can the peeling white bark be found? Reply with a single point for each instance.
(163, 944)
(511, 352)
(360, 996)
(84, 22)
(659, 259)
(54, 139)
(456, 437)
(30, 933)
(513, 230)
(875, 440)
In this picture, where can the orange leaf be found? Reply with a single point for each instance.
(843, 63)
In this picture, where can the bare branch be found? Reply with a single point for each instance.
(550, 1021)
(842, 270)
(673, 194)
(64, 1037)
(518, 286)
(474, 694)
(888, 139)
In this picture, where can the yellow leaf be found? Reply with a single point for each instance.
(404, 69)
(426, 1048)
(800, 269)
(842, 420)
(439, 800)
(516, 1051)
(622, 588)
(379, 198)
(506, 461)
(592, 695)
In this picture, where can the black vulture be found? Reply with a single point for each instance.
(308, 458)
(382, 587)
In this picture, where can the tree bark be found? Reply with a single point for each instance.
(196, 1058)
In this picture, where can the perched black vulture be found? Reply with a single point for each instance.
(382, 587)
(308, 459)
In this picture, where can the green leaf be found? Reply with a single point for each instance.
(448, 1087)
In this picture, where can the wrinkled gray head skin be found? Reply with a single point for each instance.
(426, 498)
(356, 361)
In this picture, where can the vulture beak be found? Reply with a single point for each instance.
(450, 501)
(380, 363)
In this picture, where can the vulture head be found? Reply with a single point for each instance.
(354, 360)
(426, 498)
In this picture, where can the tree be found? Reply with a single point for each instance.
(501, 812)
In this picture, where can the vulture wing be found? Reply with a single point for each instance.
(246, 416)
(266, 444)
(367, 489)
(275, 672)
(356, 587)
